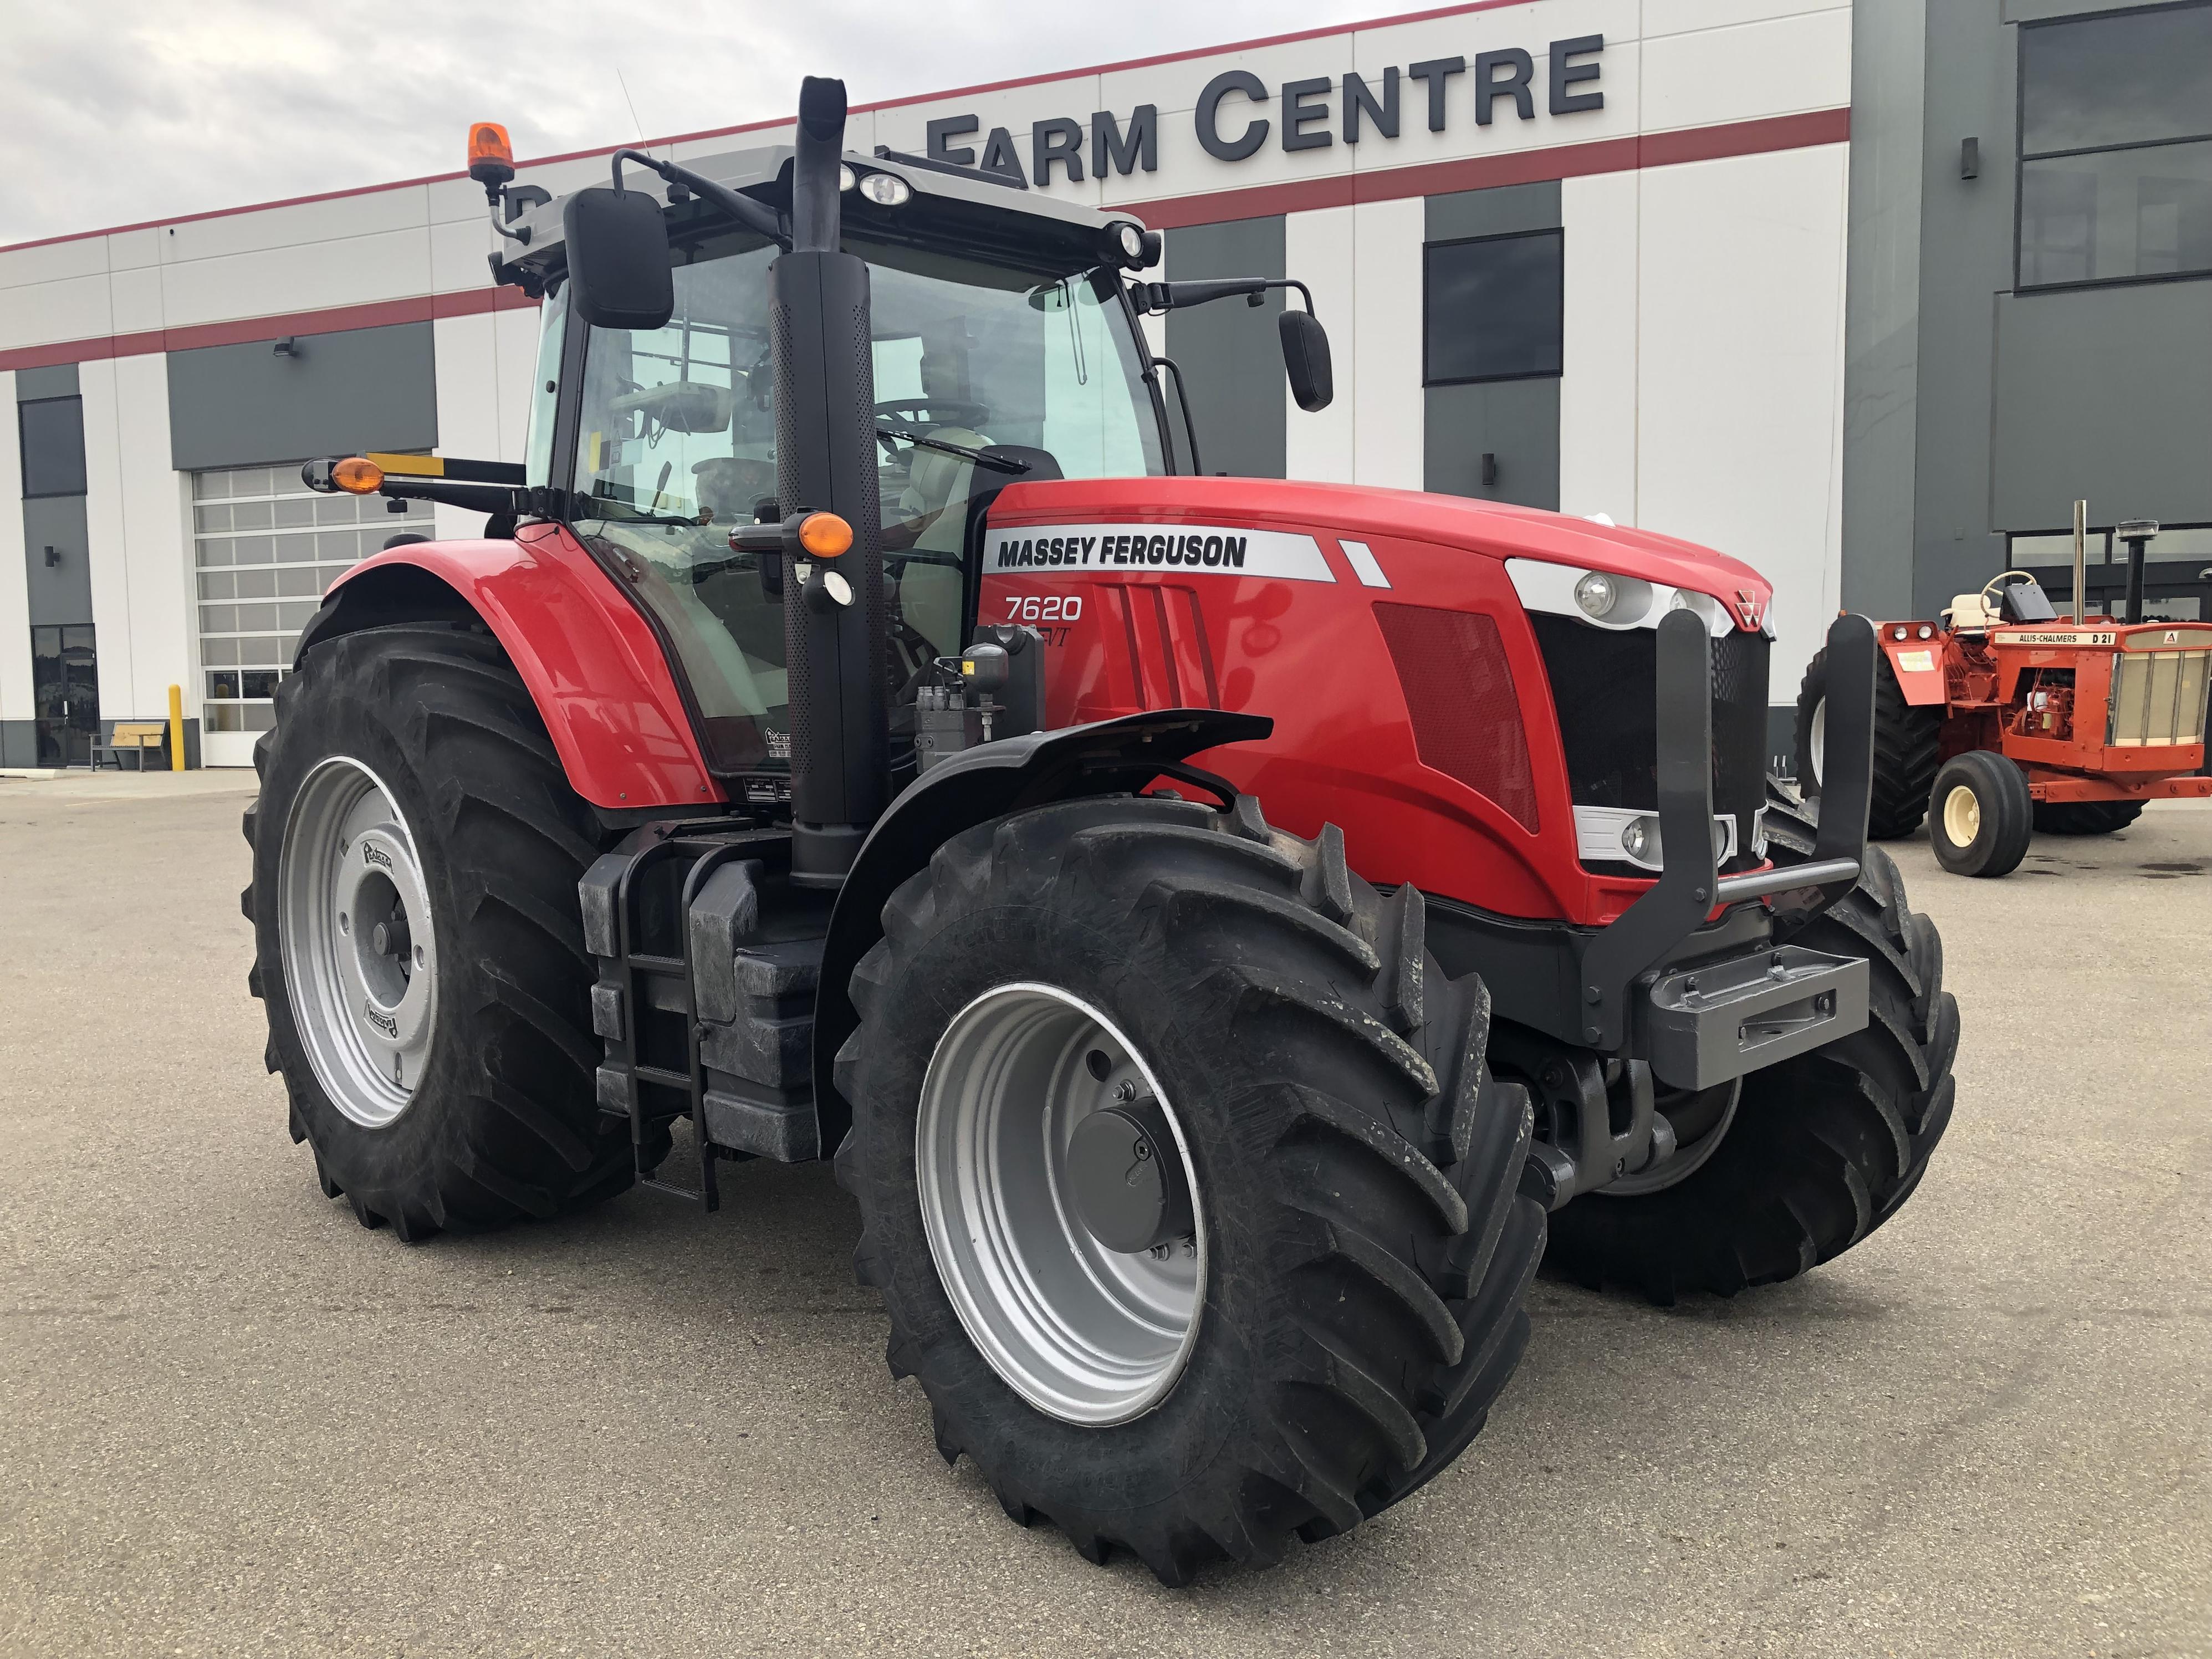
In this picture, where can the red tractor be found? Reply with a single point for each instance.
(1219, 926)
(1999, 720)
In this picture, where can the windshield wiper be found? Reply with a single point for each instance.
(980, 457)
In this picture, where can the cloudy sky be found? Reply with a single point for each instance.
(117, 111)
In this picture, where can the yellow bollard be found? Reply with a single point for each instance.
(176, 728)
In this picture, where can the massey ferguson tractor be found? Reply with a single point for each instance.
(1219, 926)
(2000, 720)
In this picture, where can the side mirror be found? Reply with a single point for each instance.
(1305, 359)
(617, 244)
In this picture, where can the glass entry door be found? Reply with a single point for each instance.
(66, 683)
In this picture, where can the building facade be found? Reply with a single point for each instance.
(1865, 296)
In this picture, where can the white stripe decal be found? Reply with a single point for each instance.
(1362, 563)
(1195, 549)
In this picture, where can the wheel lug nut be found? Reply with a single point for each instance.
(1126, 1091)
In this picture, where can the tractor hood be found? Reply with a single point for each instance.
(1364, 514)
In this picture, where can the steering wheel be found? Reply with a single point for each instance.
(948, 411)
(2016, 577)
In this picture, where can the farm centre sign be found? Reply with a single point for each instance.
(1237, 115)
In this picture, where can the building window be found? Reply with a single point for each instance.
(53, 446)
(1492, 308)
(2115, 146)
(266, 548)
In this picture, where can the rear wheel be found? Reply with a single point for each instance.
(2085, 818)
(419, 948)
(1187, 1187)
(1980, 816)
(1802, 1160)
(1906, 740)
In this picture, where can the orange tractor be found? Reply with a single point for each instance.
(2002, 718)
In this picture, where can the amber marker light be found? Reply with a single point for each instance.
(357, 476)
(490, 152)
(824, 535)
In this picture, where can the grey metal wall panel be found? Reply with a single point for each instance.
(1965, 258)
(2105, 394)
(1881, 307)
(19, 743)
(58, 592)
(1230, 353)
(365, 388)
(1516, 421)
(55, 381)
(1498, 211)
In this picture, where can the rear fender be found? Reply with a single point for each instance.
(991, 780)
(593, 667)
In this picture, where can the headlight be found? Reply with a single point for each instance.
(1639, 839)
(1129, 245)
(844, 177)
(885, 189)
(1597, 593)
(1704, 606)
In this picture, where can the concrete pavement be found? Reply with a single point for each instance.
(232, 1422)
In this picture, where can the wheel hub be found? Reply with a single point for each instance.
(1057, 1199)
(360, 952)
(1962, 816)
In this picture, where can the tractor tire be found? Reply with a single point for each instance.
(1352, 1280)
(2085, 818)
(1905, 740)
(1819, 1151)
(1980, 816)
(419, 748)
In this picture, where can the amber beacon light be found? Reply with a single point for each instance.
(491, 157)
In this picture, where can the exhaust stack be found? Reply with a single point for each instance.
(826, 461)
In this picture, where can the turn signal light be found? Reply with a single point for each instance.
(824, 535)
(357, 476)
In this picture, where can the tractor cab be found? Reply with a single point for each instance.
(1001, 345)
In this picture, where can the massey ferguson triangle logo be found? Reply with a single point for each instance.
(1747, 606)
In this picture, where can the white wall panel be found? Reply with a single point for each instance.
(1389, 413)
(106, 540)
(456, 255)
(1742, 373)
(468, 403)
(134, 250)
(1751, 70)
(1318, 250)
(338, 219)
(53, 262)
(515, 341)
(134, 300)
(16, 702)
(1598, 389)
(73, 308)
(305, 277)
(156, 550)
(1688, 17)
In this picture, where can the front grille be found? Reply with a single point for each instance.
(1605, 687)
(2158, 700)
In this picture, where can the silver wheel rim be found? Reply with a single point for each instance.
(361, 960)
(1816, 740)
(1083, 1333)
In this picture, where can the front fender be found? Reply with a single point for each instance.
(991, 780)
(593, 667)
(1917, 663)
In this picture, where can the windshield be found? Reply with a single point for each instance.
(677, 443)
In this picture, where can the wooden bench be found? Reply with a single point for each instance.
(132, 738)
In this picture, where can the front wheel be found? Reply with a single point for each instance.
(1184, 1180)
(1799, 1162)
(419, 945)
(1980, 815)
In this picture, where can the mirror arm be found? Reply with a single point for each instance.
(754, 216)
(1149, 297)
